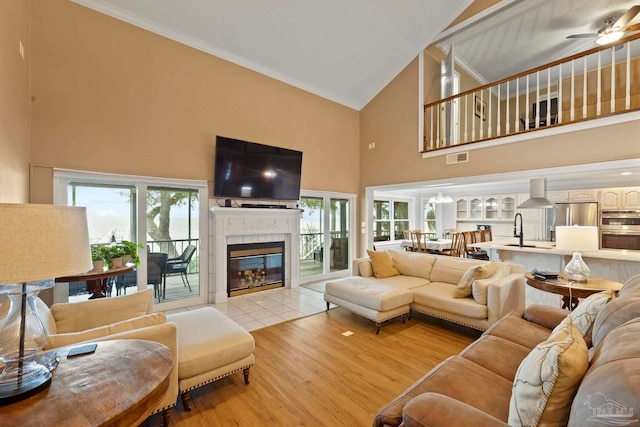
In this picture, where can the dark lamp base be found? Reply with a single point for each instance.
(32, 383)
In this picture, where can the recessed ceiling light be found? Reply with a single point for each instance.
(626, 173)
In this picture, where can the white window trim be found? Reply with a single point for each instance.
(62, 177)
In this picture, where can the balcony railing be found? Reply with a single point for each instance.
(581, 87)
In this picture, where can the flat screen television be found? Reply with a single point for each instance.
(256, 171)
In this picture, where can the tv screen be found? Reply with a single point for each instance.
(256, 171)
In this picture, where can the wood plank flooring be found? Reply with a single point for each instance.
(307, 373)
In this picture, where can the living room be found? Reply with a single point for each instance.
(96, 94)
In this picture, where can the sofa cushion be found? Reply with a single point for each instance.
(80, 316)
(585, 313)
(372, 293)
(413, 263)
(451, 269)
(365, 268)
(382, 264)
(615, 313)
(207, 339)
(479, 287)
(497, 355)
(439, 296)
(612, 381)
(61, 340)
(515, 328)
(548, 377)
(459, 379)
(473, 273)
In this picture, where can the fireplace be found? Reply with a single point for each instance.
(254, 267)
(240, 226)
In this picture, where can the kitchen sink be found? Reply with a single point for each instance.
(527, 246)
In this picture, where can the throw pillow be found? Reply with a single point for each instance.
(366, 269)
(382, 264)
(479, 288)
(548, 378)
(481, 271)
(585, 313)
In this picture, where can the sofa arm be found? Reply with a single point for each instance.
(505, 295)
(433, 410)
(545, 315)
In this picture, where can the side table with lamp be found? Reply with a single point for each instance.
(39, 243)
(576, 280)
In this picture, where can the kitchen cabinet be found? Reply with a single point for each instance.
(462, 208)
(558, 196)
(620, 198)
(476, 208)
(583, 195)
(507, 207)
(491, 207)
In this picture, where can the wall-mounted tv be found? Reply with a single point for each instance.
(256, 171)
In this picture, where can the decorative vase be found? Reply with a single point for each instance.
(98, 265)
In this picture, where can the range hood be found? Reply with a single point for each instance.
(537, 195)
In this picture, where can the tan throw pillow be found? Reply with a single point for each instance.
(548, 378)
(366, 269)
(585, 313)
(479, 288)
(481, 271)
(382, 264)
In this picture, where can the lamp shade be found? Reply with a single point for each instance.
(577, 238)
(39, 242)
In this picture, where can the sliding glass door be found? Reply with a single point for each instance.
(325, 239)
(165, 217)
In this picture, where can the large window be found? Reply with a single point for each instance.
(164, 216)
(429, 215)
(390, 215)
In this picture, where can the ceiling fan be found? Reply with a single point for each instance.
(614, 28)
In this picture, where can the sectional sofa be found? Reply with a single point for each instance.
(392, 283)
(540, 366)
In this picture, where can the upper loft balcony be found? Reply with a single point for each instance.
(597, 83)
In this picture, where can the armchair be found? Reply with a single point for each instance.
(180, 265)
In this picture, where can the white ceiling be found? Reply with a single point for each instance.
(343, 50)
(522, 35)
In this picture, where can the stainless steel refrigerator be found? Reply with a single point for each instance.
(578, 213)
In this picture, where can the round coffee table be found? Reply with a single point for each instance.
(577, 290)
(119, 384)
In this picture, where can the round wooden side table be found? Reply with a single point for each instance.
(120, 384)
(570, 296)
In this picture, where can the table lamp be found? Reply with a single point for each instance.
(37, 244)
(578, 239)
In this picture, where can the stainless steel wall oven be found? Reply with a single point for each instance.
(620, 229)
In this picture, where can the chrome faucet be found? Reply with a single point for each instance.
(520, 235)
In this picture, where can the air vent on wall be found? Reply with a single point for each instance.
(463, 157)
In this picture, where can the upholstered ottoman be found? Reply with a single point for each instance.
(368, 298)
(210, 346)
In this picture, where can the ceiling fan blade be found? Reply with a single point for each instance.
(627, 17)
(582, 36)
(632, 28)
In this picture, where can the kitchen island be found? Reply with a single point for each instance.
(612, 264)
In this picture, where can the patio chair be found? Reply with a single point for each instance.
(180, 265)
(156, 269)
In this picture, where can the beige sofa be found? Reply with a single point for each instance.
(483, 385)
(206, 344)
(427, 283)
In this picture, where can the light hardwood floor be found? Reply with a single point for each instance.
(307, 373)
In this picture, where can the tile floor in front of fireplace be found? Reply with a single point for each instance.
(266, 308)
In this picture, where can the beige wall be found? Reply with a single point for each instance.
(111, 97)
(14, 101)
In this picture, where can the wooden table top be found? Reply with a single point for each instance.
(97, 275)
(578, 289)
(120, 384)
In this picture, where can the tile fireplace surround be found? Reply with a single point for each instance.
(230, 226)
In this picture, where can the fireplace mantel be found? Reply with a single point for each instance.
(229, 226)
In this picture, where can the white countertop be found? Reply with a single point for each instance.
(543, 247)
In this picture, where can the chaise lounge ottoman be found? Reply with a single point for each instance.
(375, 301)
(210, 346)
